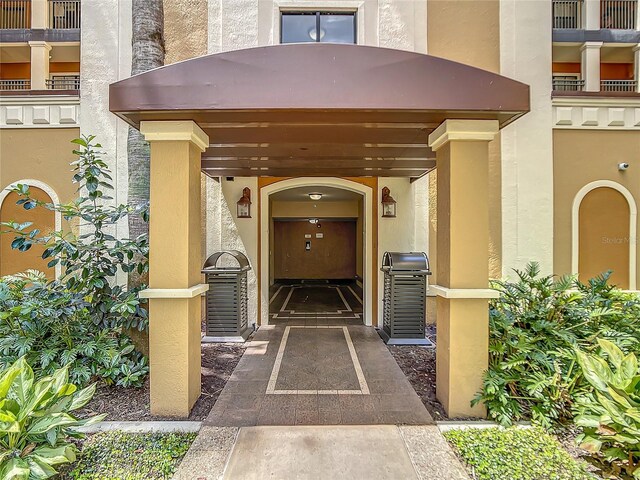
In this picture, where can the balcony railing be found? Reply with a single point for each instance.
(6, 85)
(15, 14)
(567, 13)
(567, 84)
(66, 82)
(619, 14)
(64, 14)
(618, 85)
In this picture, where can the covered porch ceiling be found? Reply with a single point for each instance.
(318, 109)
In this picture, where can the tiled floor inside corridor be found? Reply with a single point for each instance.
(317, 374)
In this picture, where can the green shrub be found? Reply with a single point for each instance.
(515, 454)
(51, 326)
(130, 456)
(610, 417)
(35, 423)
(80, 319)
(535, 326)
(91, 259)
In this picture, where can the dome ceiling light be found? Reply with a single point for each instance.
(315, 196)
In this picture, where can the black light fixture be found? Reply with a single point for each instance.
(388, 204)
(244, 204)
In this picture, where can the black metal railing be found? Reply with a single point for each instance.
(619, 14)
(6, 85)
(64, 14)
(564, 84)
(64, 82)
(618, 85)
(567, 13)
(15, 14)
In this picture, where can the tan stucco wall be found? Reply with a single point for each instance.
(185, 29)
(604, 236)
(582, 157)
(14, 261)
(469, 32)
(42, 154)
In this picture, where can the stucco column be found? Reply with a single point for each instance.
(174, 265)
(590, 66)
(39, 64)
(636, 63)
(462, 163)
(39, 14)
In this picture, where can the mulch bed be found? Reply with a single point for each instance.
(418, 363)
(132, 404)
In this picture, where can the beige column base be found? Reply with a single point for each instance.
(463, 353)
(174, 334)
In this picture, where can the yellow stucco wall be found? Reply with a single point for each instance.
(604, 236)
(42, 154)
(582, 157)
(469, 32)
(185, 29)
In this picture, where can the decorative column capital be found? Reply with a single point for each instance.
(40, 43)
(463, 130)
(591, 46)
(168, 131)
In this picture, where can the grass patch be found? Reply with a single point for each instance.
(515, 454)
(130, 456)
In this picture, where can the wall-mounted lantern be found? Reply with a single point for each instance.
(244, 204)
(388, 203)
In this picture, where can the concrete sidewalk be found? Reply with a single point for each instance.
(371, 452)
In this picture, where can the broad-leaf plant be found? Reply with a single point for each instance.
(36, 424)
(610, 416)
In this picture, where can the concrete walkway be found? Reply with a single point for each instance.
(312, 373)
(373, 452)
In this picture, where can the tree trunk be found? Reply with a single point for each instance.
(148, 52)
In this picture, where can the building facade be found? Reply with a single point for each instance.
(563, 181)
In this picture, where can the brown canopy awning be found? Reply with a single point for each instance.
(318, 109)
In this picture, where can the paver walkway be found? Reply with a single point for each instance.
(317, 375)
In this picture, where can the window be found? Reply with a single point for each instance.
(324, 27)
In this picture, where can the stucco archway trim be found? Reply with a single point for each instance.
(368, 273)
(633, 225)
(57, 219)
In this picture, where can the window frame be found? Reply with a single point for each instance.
(318, 14)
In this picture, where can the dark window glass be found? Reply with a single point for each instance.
(325, 27)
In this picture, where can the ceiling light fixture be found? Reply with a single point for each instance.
(313, 220)
(315, 196)
(313, 34)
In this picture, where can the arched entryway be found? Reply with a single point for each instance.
(604, 232)
(358, 191)
(13, 261)
(325, 111)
